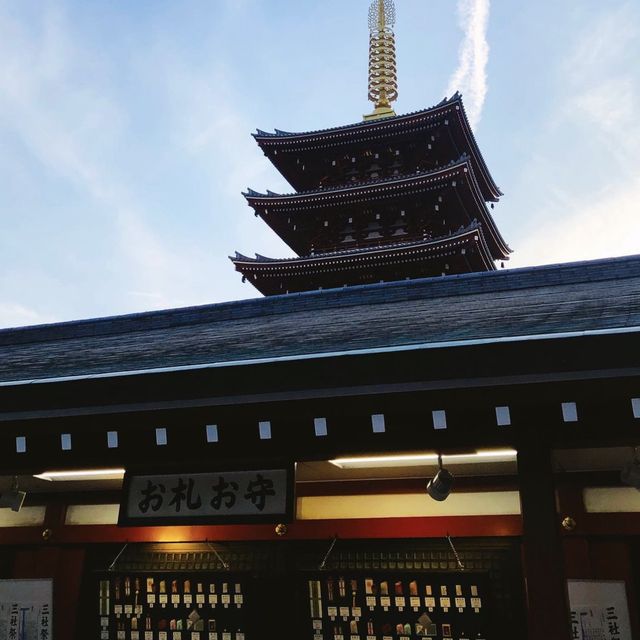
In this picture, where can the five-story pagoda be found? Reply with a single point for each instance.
(389, 198)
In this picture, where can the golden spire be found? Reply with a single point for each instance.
(383, 81)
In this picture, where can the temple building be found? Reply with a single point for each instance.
(416, 458)
(389, 198)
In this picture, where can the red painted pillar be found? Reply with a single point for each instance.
(63, 564)
(545, 583)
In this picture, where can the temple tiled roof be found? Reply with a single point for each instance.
(555, 300)
(362, 185)
(387, 248)
(463, 251)
(393, 187)
(385, 127)
(277, 133)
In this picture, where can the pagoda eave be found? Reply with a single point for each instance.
(287, 214)
(338, 196)
(464, 252)
(280, 146)
(345, 133)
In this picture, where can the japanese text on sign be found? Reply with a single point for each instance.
(25, 609)
(599, 610)
(219, 495)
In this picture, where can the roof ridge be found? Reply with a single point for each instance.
(438, 287)
(278, 133)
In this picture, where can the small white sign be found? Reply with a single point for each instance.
(599, 609)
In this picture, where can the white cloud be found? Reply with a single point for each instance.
(16, 315)
(56, 99)
(606, 225)
(470, 77)
(211, 123)
(600, 217)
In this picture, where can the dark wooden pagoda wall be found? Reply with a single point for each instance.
(363, 224)
(428, 149)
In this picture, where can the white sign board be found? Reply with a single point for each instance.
(26, 610)
(599, 610)
(216, 497)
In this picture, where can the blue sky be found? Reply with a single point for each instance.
(125, 132)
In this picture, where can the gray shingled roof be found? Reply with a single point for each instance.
(575, 297)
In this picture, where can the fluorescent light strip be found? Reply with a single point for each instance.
(84, 474)
(417, 460)
(384, 461)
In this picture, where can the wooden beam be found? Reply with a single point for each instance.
(546, 593)
(391, 528)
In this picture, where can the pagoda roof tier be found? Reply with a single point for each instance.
(285, 149)
(289, 215)
(463, 252)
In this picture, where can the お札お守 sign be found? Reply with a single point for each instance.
(232, 497)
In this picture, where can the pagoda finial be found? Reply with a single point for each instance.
(383, 81)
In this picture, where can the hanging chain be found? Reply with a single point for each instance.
(455, 553)
(113, 564)
(323, 564)
(220, 558)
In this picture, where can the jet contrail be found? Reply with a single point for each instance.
(470, 77)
